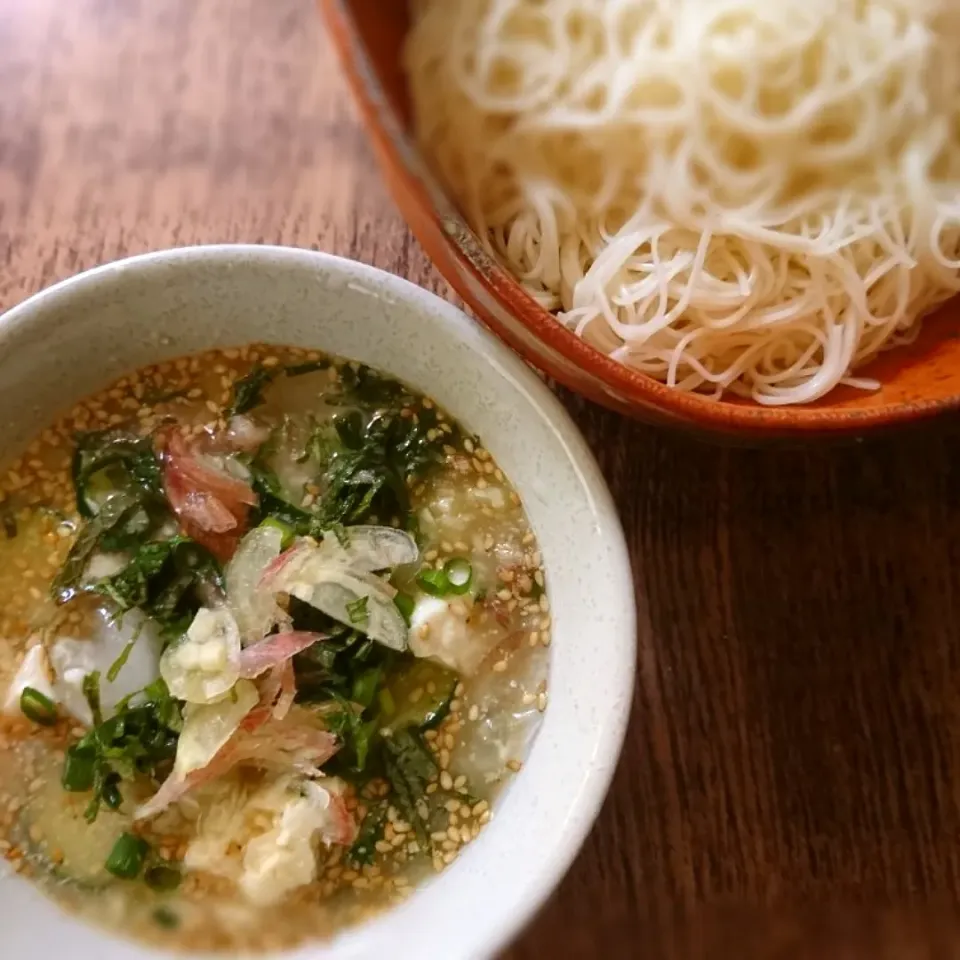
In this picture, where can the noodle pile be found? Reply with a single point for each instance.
(752, 196)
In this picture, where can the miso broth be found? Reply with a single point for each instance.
(274, 635)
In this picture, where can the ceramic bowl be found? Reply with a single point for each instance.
(917, 381)
(79, 335)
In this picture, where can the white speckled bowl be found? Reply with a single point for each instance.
(74, 338)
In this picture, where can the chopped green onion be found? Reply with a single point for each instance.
(405, 604)
(127, 856)
(286, 531)
(37, 707)
(78, 770)
(459, 574)
(365, 686)
(111, 794)
(162, 877)
(357, 611)
(433, 582)
(387, 704)
(166, 918)
(361, 742)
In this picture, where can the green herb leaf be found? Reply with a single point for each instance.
(329, 670)
(110, 461)
(116, 514)
(420, 695)
(91, 691)
(248, 390)
(365, 686)
(355, 734)
(136, 741)
(409, 767)
(367, 456)
(364, 849)
(379, 454)
(311, 366)
(121, 661)
(273, 505)
(357, 611)
(362, 385)
(166, 579)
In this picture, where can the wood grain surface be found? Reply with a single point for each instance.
(790, 785)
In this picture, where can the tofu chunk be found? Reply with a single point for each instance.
(441, 630)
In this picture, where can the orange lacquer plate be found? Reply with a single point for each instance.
(918, 382)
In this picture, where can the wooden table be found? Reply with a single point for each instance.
(791, 781)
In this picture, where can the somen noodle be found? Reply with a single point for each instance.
(726, 195)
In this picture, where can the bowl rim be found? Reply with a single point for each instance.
(638, 393)
(584, 797)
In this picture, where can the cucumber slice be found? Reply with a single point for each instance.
(417, 696)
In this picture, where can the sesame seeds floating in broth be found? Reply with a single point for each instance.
(422, 736)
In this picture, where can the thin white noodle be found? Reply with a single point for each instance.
(726, 195)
